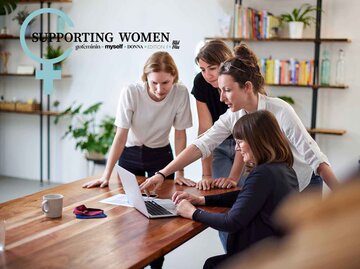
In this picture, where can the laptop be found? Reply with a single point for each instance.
(150, 207)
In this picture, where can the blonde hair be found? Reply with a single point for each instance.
(160, 61)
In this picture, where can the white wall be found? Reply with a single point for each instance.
(97, 75)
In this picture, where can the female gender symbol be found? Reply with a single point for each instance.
(48, 74)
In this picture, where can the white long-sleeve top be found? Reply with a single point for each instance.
(307, 154)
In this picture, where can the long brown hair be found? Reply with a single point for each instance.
(244, 67)
(160, 61)
(214, 52)
(264, 136)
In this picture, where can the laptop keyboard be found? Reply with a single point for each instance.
(155, 209)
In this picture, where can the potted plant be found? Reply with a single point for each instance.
(6, 7)
(52, 53)
(20, 18)
(299, 19)
(92, 137)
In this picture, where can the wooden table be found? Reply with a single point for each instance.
(125, 239)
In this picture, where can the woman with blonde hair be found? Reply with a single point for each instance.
(145, 114)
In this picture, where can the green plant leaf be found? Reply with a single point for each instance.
(295, 14)
(61, 114)
(80, 132)
(76, 110)
(7, 6)
(69, 131)
(53, 52)
(287, 99)
(93, 109)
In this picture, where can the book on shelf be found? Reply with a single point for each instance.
(291, 71)
(250, 23)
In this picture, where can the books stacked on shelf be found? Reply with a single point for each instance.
(254, 24)
(291, 71)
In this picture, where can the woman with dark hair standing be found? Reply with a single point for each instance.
(265, 149)
(242, 90)
(219, 165)
(218, 170)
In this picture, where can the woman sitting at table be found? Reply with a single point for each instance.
(266, 152)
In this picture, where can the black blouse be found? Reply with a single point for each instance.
(250, 216)
(209, 95)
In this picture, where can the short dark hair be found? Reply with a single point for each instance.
(264, 136)
(214, 52)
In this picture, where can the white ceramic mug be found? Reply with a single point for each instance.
(52, 205)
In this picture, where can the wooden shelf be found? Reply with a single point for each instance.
(43, 112)
(13, 37)
(326, 131)
(235, 39)
(26, 75)
(16, 75)
(343, 87)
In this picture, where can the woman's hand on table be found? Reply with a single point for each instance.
(205, 183)
(224, 183)
(181, 180)
(102, 182)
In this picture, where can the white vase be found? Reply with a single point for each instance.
(296, 29)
